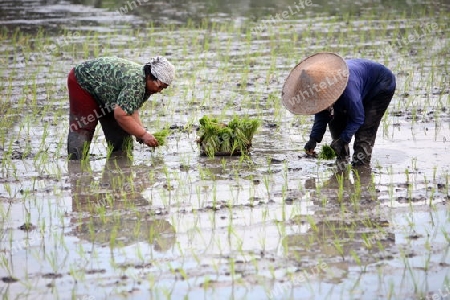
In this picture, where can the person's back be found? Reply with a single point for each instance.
(113, 80)
(366, 76)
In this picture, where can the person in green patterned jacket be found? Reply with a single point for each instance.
(111, 90)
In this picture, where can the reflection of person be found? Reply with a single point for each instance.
(350, 96)
(118, 182)
(356, 182)
(119, 188)
(111, 90)
(333, 236)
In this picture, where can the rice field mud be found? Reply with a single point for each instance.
(172, 224)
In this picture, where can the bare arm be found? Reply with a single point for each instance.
(132, 124)
(136, 117)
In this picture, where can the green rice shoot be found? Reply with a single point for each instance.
(327, 153)
(161, 136)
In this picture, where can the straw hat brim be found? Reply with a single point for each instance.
(315, 83)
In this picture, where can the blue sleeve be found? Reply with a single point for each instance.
(355, 111)
(321, 120)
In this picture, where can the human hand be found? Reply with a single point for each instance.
(148, 139)
(340, 148)
(310, 146)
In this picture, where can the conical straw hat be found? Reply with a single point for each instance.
(315, 83)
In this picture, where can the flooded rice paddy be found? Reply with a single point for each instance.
(171, 224)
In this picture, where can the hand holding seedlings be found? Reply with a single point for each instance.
(161, 136)
(326, 152)
(149, 140)
(340, 148)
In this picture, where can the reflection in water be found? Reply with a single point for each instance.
(94, 3)
(51, 14)
(353, 184)
(182, 11)
(110, 208)
(337, 244)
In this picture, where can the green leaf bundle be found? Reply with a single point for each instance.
(327, 152)
(227, 139)
(161, 136)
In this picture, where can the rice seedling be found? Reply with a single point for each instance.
(326, 152)
(340, 180)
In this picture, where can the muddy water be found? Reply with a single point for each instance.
(54, 14)
(173, 224)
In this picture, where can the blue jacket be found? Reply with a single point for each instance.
(365, 79)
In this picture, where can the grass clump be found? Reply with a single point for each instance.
(234, 138)
(161, 136)
(327, 152)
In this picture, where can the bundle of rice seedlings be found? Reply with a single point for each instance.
(161, 136)
(327, 152)
(235, 138)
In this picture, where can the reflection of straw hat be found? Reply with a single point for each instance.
(315, 83)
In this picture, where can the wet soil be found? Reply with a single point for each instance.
(171, 223)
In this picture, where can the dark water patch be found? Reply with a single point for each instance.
(135, 266)
(9, 279)
(95, 271)
(52, 276)
(27, 227)
(20, 155)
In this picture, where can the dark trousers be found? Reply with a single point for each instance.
(375, 105)
(84, 115)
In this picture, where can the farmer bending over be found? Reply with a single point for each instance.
(350, 96)
(111, 90)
